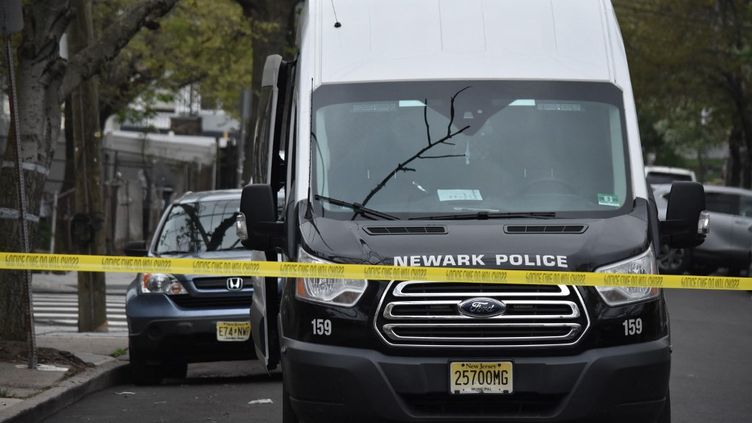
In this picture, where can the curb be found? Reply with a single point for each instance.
(66, 393)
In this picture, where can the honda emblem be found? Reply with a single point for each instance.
(234, 284)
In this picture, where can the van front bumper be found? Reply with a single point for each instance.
(616, 384)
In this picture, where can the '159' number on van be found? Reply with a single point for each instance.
(322, 327)
(632, 326)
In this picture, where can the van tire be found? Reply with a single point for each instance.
(665, 416)
(288, 414)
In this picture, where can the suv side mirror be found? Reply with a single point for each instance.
(687, 222)
(256, 224)
(135, 249)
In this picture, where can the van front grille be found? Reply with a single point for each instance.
(428, 314)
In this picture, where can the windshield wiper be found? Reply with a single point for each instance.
(482, 215)
(356, 207)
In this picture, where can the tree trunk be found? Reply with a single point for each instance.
(65, 203)
(733, 164)
(89, 202)
(39, 116)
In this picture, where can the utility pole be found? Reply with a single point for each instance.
(87, 227)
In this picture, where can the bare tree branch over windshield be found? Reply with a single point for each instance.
(402, 167)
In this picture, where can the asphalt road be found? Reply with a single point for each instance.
(711, 374)
(711, 377)
(239, 391)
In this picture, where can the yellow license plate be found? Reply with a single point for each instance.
(233, 331)
(480, 377)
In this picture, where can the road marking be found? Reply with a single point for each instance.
(62, 309)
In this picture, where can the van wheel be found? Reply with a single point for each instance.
(673, 261)
(288, 414)
(665, 416)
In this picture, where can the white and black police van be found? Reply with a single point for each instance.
(477, 134)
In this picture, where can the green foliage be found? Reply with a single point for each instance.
(684, 56)
(202, 42)
(118, 352)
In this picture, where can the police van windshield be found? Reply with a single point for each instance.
(420, 149)
(198, 227)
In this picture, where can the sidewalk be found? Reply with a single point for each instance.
(116, 283)
(71, 365)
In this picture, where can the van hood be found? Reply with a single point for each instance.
(551, 244)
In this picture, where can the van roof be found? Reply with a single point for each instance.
(383, 40)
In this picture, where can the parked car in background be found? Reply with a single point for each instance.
(729, 243)
(657, 175)
(176, 319)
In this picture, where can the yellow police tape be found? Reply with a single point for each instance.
(66, 262)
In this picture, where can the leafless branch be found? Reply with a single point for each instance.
(402, 167)
(451, 110)
(442, 156)
(425, 119)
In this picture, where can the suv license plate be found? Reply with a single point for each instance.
(233, 331)
(480, 377)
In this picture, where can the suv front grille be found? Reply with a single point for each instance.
(219, 283)
(234, 301)
(427, 314)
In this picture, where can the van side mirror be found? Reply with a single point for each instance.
(256, 225)
(687, 222)
(135, 249)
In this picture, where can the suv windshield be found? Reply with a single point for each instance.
(431, 148)
(199, 227)
(729, 203)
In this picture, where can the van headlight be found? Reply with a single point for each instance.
(620, 295)
(161, 283)
(339, 292)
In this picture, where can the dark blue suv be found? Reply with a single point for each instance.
(177, 319)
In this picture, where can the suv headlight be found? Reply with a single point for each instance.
(339, 292)
(620, 295)
(161, 283)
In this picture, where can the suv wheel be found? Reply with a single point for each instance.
(673, 261)
(142, 373)
(175, 370)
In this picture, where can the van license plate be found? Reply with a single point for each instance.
(480, 377)
(233, 331)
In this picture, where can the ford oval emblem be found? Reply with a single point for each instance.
(482, 307)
